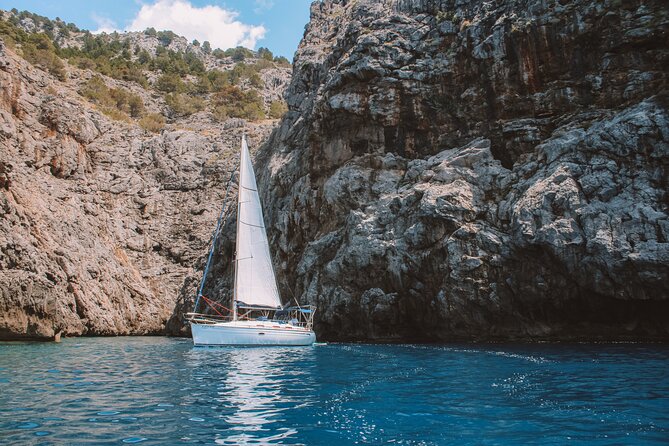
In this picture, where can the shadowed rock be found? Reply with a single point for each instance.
(475, 170)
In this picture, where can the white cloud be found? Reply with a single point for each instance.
(217, 25)
(263, 6)
(105, 24)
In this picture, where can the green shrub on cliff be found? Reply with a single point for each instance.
(232, 102)
(218, 80)
(39, 51)
(135, 105)
(265, 54)
(11, 34)
(195, 65)
(201, 86)
(176, 62)
(277, 109)
(83, 63)
(170, 83)
(211, 82)
(262, 64)
(152, 122)
(282, 61)
(118, 103)
(143, 57)
(165, 37)
(184, 105)
(238, 54)
(246, 72)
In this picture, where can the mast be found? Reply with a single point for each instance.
(239, 208)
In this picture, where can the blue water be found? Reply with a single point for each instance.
(164, 391)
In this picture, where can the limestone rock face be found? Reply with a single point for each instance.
(475, 170)
(100, 222)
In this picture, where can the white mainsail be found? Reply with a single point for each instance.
(255, 283)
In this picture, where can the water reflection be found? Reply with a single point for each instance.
(163, 391)
(256, 389)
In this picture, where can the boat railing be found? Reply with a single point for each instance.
(201, 318)
(294, 316)
(300, 316)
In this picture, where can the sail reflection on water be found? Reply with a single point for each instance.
(257, 391)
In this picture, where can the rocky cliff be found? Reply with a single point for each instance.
(102, 221)
(447, 170)
(476, 170)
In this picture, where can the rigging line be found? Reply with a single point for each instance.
(293, 294)
(215, 235)
(207, 301)
(213, 304)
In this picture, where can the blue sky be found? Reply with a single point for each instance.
(275, 24)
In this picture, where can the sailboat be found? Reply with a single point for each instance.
(258, 317)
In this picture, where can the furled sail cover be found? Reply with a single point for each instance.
(256, 284)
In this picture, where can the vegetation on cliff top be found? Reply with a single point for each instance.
(180, 76)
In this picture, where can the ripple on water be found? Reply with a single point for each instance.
(134, 439)
(165, 392)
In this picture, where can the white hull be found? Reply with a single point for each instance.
(250, 333)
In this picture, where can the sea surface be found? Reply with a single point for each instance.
(154, 390)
